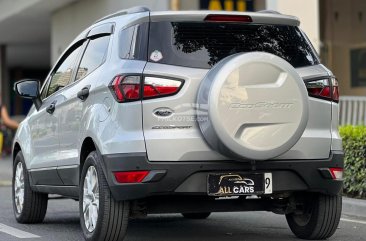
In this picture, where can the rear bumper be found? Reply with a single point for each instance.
(190, 178)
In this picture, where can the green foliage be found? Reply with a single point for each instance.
(354, 144)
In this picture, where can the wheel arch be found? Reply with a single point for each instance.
(87, 147)
(16, 149)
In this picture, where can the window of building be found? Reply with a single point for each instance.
(358, 67)
(94, 56)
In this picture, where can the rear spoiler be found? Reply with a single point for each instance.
(256, 17)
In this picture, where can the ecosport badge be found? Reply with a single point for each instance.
(262, 105)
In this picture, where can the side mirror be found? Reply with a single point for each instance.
(29, 89)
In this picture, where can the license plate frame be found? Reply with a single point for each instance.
(239, 184)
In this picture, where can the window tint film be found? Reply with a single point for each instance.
(62, 75)
(126, 42)
(202, 45)
(93, 57)
(133, 42)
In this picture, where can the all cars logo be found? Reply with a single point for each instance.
(240, 185)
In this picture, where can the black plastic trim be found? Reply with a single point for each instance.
(67, 191)
(69, 175)
(46, 176)
(189, 178)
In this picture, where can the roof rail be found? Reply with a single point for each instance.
(138, 9)
(269, 11)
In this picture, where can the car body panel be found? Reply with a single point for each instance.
(188, 144)
(200, 16)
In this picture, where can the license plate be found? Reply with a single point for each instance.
(235, 184)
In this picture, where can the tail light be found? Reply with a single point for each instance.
(128, 88)
(228, 18)
(324, 89)
(337, 173)
(335, 93)
(159, 87)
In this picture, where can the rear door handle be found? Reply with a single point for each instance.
(83, 93)
(51, 108)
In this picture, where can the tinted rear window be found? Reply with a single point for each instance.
(202, 45)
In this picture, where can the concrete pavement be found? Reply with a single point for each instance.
(5, 171)
(354, 207)
(62, 224)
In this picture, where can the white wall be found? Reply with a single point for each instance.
(306, 10)
(67, 22)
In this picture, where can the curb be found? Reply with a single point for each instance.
(354, 207)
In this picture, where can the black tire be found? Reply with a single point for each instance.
(196, 215)
(113, 216)
(35, 203)
(320, 219)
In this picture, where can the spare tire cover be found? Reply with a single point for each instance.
(252, 106)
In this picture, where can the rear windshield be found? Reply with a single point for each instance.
(202, 45)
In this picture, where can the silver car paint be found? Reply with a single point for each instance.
(118, 128)
(114, 128)
(200, 15)
(189, 145)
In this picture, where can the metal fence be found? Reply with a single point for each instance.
(352, 110)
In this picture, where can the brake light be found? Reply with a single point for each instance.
(128, 88)
(323, 88)
(130, 177)
(228, 18)
(336, 172)
(158, 87)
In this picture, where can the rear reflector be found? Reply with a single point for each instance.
(130, 177)
(336, 172)
(228, 18)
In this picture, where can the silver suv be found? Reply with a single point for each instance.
(173, 112)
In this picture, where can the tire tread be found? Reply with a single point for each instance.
(324, 218)
(35, 203)
(114, 214)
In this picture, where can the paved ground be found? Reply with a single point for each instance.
(5, 170)
(62, 224)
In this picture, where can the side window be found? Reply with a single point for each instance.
(133, 42)
(63, 74)
(94, 56)
(127, 38)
